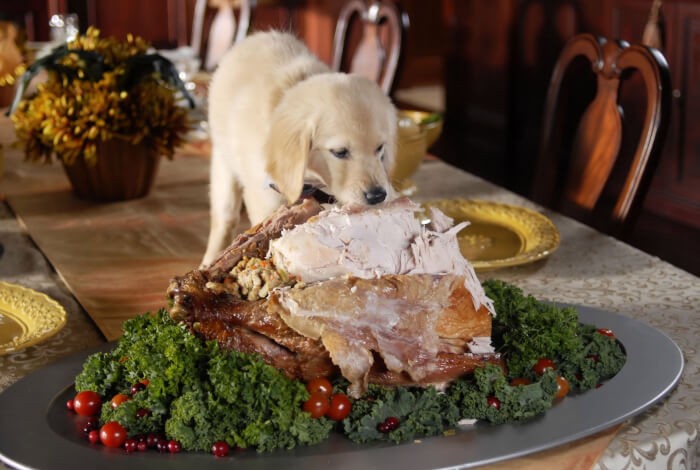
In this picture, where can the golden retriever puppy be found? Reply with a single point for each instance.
(280, 119)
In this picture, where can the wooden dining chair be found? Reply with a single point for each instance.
(216, 25)
(597, 159)
(377, 53)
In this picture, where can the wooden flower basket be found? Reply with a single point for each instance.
(123, 171)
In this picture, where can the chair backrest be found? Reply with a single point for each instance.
(377, 55)
(215, 27)
(580, 153)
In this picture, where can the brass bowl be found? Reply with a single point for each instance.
(417, 131)
(431, 122)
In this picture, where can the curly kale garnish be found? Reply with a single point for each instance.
(527, 329)
(198, 394)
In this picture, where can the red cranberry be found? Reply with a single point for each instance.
(220, 449)
(137, 387)
(90, 425)
(493, 402)
(142, 413)
(162, 445)
(382, 427)
(94, 436)
(152, 440)
(70, 405)
(391, 423)
(174, 446)
(131, 445)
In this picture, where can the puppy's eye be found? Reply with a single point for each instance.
(340, 153)
(380, 151)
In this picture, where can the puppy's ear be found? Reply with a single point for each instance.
(392, 137)
(287, 150)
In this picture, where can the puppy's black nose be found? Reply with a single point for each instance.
(375, 195)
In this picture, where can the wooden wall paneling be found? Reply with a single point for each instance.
(628, 19)
(315, 23)
(32, 16)
(596, 16)
(537, 36)
(477, 56)
(424, 44)
(154, 20)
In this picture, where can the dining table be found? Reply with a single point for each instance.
(107, 262)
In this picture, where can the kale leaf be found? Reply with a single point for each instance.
(420, 412)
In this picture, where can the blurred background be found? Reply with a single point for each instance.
(484, 65)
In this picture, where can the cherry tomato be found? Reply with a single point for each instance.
(113, 434)
(87, 403)
(542, 366)
(118, 399)
(339, 408)
(220, 449)
(519, 381)
(606, 332)
(493, 402)
(562, 388)
(317, 405)
(319, 385)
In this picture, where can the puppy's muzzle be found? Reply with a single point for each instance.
(375, 195)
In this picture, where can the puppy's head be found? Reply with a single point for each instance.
(334, 131)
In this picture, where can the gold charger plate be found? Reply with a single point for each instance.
(500, 235)
(27, 317)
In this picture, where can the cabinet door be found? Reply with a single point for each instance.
(675, 191)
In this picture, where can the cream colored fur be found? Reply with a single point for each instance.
(277, 114)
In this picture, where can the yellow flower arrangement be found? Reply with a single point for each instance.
(99, 89)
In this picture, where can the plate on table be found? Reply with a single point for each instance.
(37, 431)
(27, 317)
(500, 235)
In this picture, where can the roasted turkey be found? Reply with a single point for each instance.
(374, 294)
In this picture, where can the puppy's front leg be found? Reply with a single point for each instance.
(260, 202)
(225, 203)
